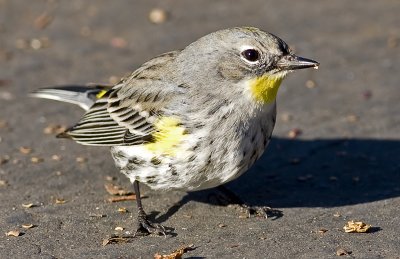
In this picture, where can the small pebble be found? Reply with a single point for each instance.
(36, 160)
(42, 21)
(25, 150)
(118, 42)
(80, 159)
(310, 84)
(294, 133)
(158, 16)
(56, 157)
(286, 117)
(392, 42)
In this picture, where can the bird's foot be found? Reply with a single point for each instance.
(260, 211)
(146, 227)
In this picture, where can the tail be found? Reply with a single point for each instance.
(83, 96)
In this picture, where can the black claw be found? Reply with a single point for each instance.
(145, 227)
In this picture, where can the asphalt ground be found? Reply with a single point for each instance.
(334, 156)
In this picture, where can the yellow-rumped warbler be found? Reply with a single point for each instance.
(190, 119)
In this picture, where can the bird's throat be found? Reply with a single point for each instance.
(265, 88)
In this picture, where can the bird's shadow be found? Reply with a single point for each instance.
(314, 173)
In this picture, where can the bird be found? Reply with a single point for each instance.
(189, 119)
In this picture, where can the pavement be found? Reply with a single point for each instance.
(334, 156)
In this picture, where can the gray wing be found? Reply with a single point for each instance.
(126, 113)
(125, 116)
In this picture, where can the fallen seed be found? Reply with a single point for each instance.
(27, 226)
(29, 205)
(119, 228)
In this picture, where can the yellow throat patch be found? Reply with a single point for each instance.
(265, 88)
(169, 134)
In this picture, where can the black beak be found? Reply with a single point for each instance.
(293, 62)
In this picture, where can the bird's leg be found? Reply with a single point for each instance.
(145, 227)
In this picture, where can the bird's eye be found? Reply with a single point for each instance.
(251, 55)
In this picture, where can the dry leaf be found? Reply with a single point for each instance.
(341, 252)
(14, 233)
(25, 150)
(60, 201)
(322, 230)
(177, 254)
(27, 226)
(356, 227)
(116, 190)
(131, 197)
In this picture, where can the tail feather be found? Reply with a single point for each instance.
(83, 96)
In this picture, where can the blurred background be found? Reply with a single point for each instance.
(335, 147)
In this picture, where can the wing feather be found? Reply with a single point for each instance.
(126, 113)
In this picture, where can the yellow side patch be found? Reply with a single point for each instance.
(101, 94)
(169, 134)
(265, 88)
